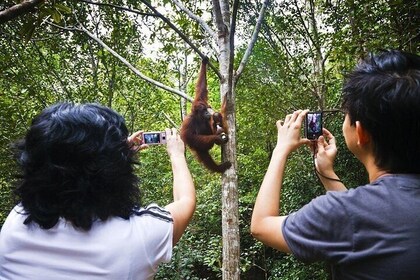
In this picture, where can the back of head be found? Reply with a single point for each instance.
(77, 165)
(383, 93)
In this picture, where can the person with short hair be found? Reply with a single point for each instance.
(368, 232)
(79, 214)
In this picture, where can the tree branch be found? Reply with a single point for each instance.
(225, 9)
(119, 8)
(18, 9)
(134, 69)
(52, 70)
(302, 21)
(171, 121)
(218, 17)
(254, 38)
(222, 37)
(195, 17)
(232, 41)
(290, 55)
(182, 35)
(159, 15)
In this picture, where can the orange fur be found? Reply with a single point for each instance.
(203, 128)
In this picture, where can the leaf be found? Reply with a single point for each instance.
(56, 16)
(28, 30)
(62, 8)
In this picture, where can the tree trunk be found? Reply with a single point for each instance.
(230, 208)
(318, 63)
(230, 212)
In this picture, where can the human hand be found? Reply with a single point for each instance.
(288, 132)
(174, 145)
(136, 141)
(326, 151)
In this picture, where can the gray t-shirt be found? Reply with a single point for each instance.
(370, 232)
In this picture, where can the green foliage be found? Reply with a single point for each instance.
(294, 65)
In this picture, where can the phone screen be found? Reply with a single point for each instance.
(151, 138)
(313, 125)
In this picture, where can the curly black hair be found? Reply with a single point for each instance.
(76, 164)
(383, 93)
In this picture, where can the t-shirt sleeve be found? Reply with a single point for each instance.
(163, 244)
(321, 230)
(157, 231)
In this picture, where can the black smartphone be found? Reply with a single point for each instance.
(313, 125)
(154, 138)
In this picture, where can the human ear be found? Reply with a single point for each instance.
(363, 136)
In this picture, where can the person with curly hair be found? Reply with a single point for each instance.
(371, 231)
(79, 214)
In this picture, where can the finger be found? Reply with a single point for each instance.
(301, 116)
(329, 136)
(287, 119)
(304, 141)
(324, 140)
(295, 115)
(135, 136)
(321, 144)
(331, 140)
(137, 133)
(143, 146)
(175, 133)
(168, 132)
(279, 123)
(137, 147)
(290, 118)
(312, 145)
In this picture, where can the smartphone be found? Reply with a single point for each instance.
(313, 125)
(154, 138)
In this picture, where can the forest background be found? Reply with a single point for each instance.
(55, 51)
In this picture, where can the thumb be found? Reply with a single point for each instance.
(305, 141)
(320, 143)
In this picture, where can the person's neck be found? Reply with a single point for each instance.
(376, 175)
(373, 170)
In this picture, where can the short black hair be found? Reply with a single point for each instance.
(383, 93)
(76, 164)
